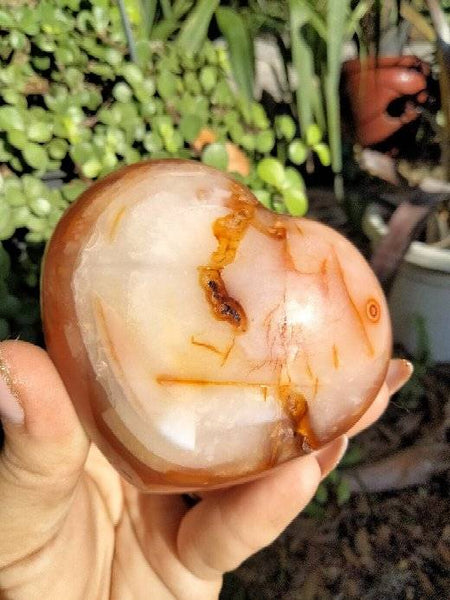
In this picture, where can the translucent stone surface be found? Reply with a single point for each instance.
(202, 338)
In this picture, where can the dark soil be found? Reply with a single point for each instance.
(393, 545)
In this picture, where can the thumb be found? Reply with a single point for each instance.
(43, 453)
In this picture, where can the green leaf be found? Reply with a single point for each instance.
(17, 40)
(215, 155)
(222, 95)
(11, 118)
(174, 142)
(313, 134)
(265, 141)
(40, 132)
(194, 30)
(285, 127)
(297, 152)
(240, 48)
(248, 142)
(258, 116)
(41, 63)
(81, 152)
(14, 97)
(91, 168)
(122, 92)
(293, 179)
(190, 126)
(72, 190)
(166, 84)
(17, 138)
(20, 216)
(35, 156)
(208, 78)
(152, 142)
(14, 195)
(271, 171)
(41, 207)
(323, 152)
(336, 22)
(133, 75)
(58, 149)
(113, 56)
(33, 186)
(296, 201)
(164, 29)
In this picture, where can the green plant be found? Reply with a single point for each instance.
(72, 104)
(311, 35)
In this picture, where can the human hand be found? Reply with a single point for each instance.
(72, 529)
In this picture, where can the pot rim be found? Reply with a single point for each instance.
(419, 254)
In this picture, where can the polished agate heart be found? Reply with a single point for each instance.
(203, 339)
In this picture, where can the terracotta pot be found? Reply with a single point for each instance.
(373, 84)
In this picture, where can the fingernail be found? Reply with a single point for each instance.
(400, 370)
(331, 455)
(10, 409)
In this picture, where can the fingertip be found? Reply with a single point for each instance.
(331, 455)
(31, 380)
(399, 372)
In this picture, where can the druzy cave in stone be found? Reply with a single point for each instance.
(203, 339)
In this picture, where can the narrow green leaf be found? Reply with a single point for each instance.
(166, 8)
(302, 59)
(148, 16)
(164, 29)
(240, 47)
(314, 17)
(181, 7)
(337, 14)
(195, 28)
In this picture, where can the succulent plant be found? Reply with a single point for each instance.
(73, 105)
